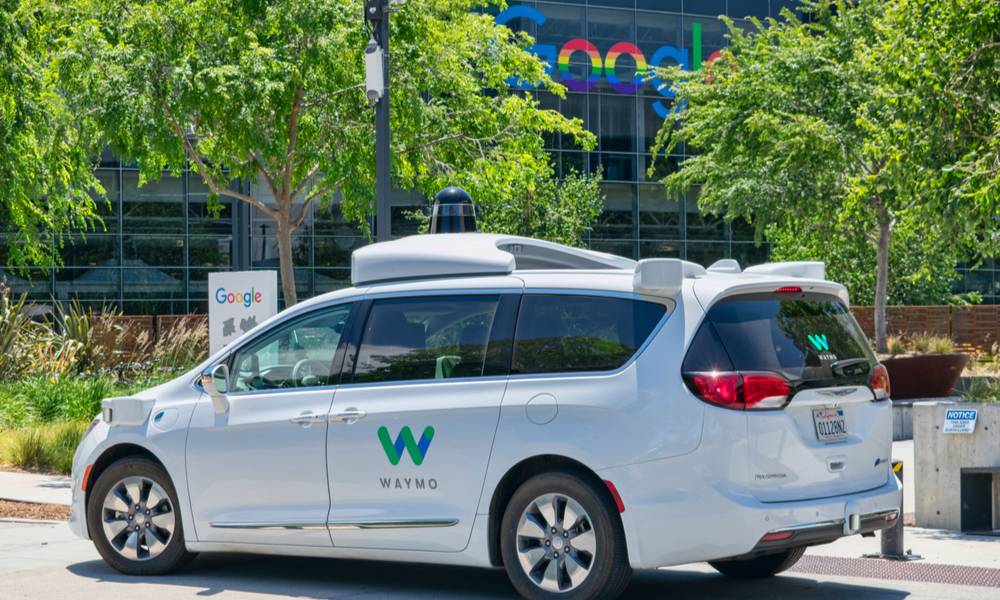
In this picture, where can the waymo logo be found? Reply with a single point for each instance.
(405, 440)
(819, 342)
(558, 60)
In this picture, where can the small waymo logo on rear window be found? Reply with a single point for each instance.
(405, 440)
(819, 342)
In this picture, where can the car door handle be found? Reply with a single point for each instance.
(351, 415)
(308, 418)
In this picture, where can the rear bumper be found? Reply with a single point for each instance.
(814, 534)
(674, 515)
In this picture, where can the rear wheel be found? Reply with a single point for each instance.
(133, 519)
(560, 538)
(761, 566)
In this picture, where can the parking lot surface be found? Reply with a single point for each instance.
(43, 562)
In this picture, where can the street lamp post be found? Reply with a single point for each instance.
(377, 83)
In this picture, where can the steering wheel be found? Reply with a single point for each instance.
(306, 372)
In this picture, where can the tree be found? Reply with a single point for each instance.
(558, 211)
(810, 131)
(923, 259)
(46, 175)
(272, 91)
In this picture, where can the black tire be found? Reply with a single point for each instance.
(609, 570)
(173, 556)
(759, 567)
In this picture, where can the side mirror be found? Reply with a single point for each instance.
(215, 380)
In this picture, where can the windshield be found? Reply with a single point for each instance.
(805, 337)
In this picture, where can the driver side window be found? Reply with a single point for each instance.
(299, 354)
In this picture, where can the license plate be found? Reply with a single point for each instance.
(831, 425)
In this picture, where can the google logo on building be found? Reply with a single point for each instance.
(559, 60)
(247, 299)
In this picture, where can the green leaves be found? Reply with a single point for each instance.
(874, 114)
(273, 92)
(47, 186)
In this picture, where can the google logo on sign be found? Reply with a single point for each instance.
(247, 299)
(559, 60)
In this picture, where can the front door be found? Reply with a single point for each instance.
(257, 474)
(411, 434)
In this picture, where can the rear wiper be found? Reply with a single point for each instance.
(847, 366)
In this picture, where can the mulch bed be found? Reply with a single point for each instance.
(31, 510)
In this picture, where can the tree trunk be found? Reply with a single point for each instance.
(882, 275)
(286, 263)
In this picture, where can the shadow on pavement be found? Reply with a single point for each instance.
(330, 578)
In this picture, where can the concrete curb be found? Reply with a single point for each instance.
(30, 521)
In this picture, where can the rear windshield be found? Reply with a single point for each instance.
(805, 337)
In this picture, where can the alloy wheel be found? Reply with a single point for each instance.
(138, 518)
(556, 543)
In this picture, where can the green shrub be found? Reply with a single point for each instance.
(930, 344)
(982, 389)
(181, 346)
(941, 345)
(46, 448)
(28, 449)
(36, 400)
(14, 409)
(17, 331)
(61, 443)
(896, 345)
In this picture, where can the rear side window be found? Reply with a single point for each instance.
(805, 337)
(562, 333)
(426, 338)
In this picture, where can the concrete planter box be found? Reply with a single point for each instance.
(946, 462)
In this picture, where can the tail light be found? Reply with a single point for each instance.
(880, 382)
(740, 391)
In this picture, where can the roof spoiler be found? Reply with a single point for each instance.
(805, 269)
(664, 276)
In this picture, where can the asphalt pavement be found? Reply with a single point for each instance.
(45, 562)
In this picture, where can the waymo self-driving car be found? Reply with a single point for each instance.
(497, 401)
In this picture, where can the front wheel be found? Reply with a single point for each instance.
(561, 538)
(133, 519)
(761, 566)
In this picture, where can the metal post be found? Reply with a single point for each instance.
(383, 210)
(892, 538)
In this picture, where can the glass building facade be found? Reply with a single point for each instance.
(160, 241)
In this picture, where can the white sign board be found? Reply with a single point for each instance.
(238, 301)
(960, 420)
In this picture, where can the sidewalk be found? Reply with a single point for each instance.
(934, 545)
(32, 487)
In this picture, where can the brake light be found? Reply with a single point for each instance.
(788, 289)
(880, 382)
(718, 388)
(740, 391)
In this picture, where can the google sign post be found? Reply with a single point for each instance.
(238, 301)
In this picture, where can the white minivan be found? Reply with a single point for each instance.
(498, 401)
